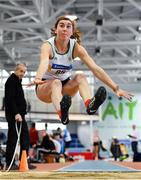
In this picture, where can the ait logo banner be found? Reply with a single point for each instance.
(119, 109)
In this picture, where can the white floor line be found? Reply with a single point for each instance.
(125, 167)
(67, 166)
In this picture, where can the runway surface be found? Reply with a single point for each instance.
(97, 166)
(79, 170)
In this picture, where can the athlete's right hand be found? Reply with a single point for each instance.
(35, 82)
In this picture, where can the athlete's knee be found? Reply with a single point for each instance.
(56, 83)
(80, 78)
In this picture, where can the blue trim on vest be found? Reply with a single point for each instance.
(57, 66)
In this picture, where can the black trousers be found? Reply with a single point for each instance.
(12, 138)
(134, 145)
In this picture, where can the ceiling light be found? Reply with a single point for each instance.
(139, 28)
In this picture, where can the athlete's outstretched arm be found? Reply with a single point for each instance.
(43, 65)
(81, 52)
(44, 60)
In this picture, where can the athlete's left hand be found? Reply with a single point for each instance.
(125, 94)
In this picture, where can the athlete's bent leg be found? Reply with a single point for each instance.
(65, 105)
(80, 83)
(97, 100)
(52, 92)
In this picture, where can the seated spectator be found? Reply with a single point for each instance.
(47, 147)
(124, 152)
(47, 143)
(118, 150)
(115, 148)
(56, 140)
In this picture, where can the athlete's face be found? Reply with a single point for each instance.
(64, 29)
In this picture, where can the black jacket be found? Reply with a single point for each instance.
(15, 102)
(47, 143)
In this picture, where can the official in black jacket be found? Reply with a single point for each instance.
(15, 110)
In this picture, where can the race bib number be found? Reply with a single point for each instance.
(60, 72)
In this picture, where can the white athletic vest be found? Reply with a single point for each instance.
(60, 66)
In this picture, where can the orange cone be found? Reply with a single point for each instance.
(23, 163)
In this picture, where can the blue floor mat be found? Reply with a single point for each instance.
(97, 166)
